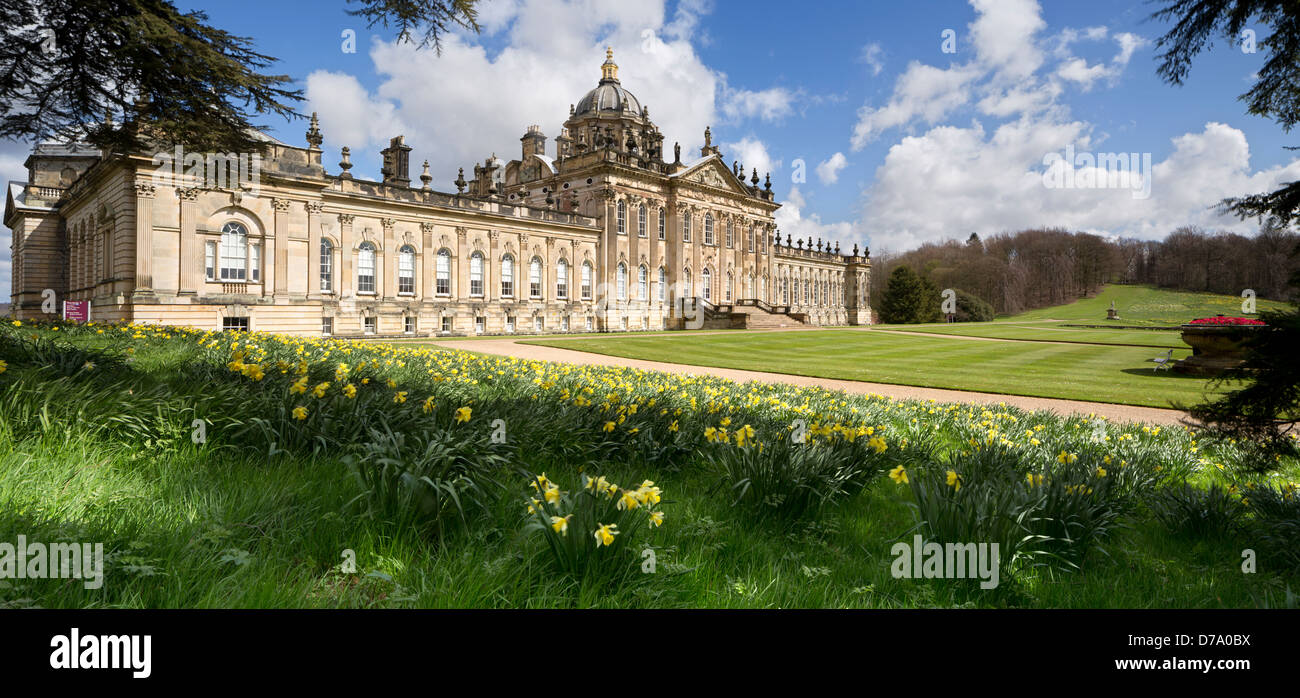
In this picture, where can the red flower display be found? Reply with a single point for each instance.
(1224, 320)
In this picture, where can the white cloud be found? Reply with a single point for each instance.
(458, 108)
(991, 183)
(752, 153)
(922, 92)
(12, 156)
(829, 171)
(790, 221)
(871, 55)
(769, 105)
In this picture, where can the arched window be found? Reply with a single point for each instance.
(326, 265)
(729, 287)
(535, 278)
(642, 283)
(562, 279)
(663, 284)
(686, 283)
(663, 224)
(641, 221)
(706, 283)
(586, 281)
(406, 270)
(234, 252)
(622, 218)
(622, 281)
(686, 227)
(708, 228)
(507, 277)
(366, 268)
(476, 274)
(444, 273)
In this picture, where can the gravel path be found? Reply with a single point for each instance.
(1122, 413)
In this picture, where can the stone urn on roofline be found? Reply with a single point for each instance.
(1218, 344)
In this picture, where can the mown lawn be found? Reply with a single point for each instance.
(1052, 332)
(98, 444)
(1145, 305)
(1116, 374)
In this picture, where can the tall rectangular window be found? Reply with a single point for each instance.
(586, 281)
(476, 275)
(327, 326)
(535, 278)
(562, 279)
(408, 326)
(366, 268)
(255, 262)
(663, 224)
(326, 266)
(406, 271)
(686, 227)
(210, 261)
(444, 273)
(641, 221)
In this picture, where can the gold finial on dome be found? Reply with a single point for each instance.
(609, 69)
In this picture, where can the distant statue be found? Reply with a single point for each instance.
(1112, 314)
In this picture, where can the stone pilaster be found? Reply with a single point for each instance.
(144, 194)
(188, 281)
(313, 248)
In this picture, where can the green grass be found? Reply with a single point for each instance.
(100, 456)
(1052, 332)
(1144, 305)
(1115, 374)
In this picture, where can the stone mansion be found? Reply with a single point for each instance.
(605, 233)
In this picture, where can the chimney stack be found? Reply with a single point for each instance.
(397, 163)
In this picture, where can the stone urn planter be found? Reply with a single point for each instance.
(1218, 344)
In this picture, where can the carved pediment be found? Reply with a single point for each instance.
(713, 173)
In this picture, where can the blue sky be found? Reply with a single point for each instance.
(913, 143)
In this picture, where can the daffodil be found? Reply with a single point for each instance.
(605, 534)
(954, 480)
(400, 397)
(300, 413)
(560, 524)
(656, 518)
(350, 391)
(898, 475)
(463, 414)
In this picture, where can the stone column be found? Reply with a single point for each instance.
(428, 267)
(460, 266)
(491, 290)
(278, 262)
(387, 280)
(189, 248)
(313, 248)
(345, 285)
(144, 193)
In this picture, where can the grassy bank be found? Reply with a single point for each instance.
(309, 449)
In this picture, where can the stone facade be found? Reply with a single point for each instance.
(604, 235)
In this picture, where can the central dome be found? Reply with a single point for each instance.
(609, 95)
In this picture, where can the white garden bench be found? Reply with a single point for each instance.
(1163, 361)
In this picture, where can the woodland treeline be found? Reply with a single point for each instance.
(1030, 269)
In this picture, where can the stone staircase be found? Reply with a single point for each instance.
(756, 317)
(750, 314)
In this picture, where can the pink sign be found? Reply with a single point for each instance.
(76, 311)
